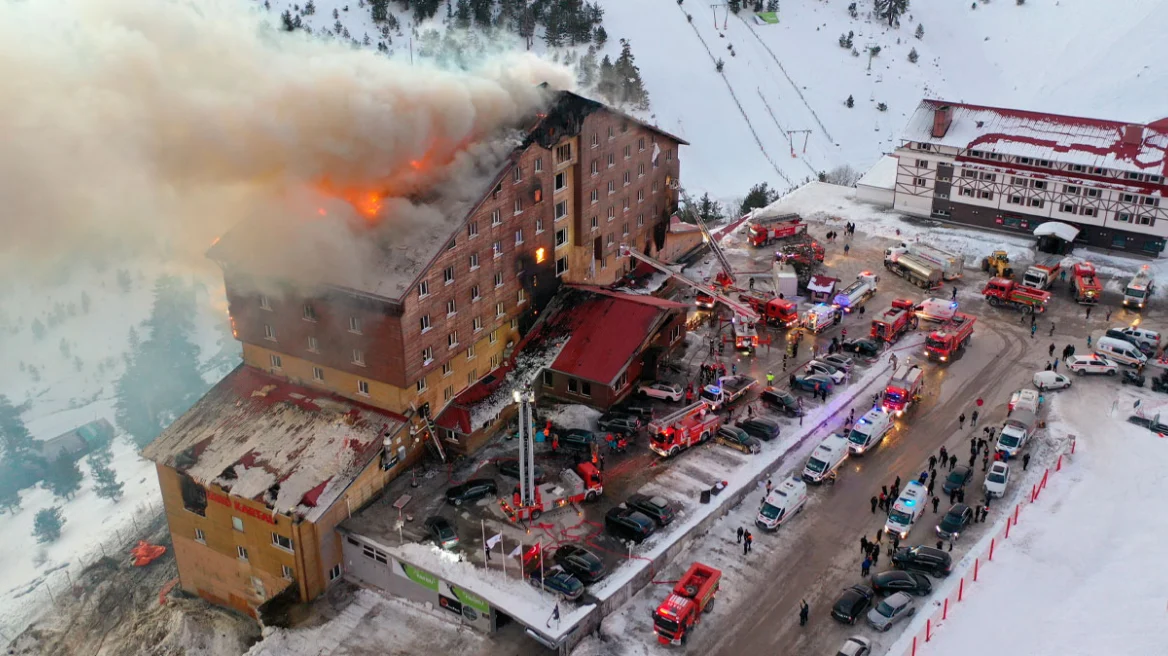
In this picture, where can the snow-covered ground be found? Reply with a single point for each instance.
(64, 398)
(1077, 575)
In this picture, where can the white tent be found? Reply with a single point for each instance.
(1063, 231)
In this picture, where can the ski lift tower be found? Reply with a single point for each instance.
(525, 398)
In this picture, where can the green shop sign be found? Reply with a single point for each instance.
(474, 601)
(424, 579)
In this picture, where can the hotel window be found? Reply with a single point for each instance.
(423, 289)
(1132, 176)
(451, 307)
(596, 222)
(448, 393)
(1016, 200)
(538, 226)
(355, 325)
(427, 355)
(967, 192)
(359, 357)
(1023, 160)
(269, 333)
(918, 182)
(237, 524)
(612, 212)
(474, 293)
(611, 187)
(448, 275)
(641, 144)
(561, 266)
(474, 261)
(627, 178)
(561, 237)
(989, 177)
(626, 203)
(281, 542)
(538, 164)
(363, 387)
(1146, 220)
(309, 313)
(611, 134)
(499, 309)
(472, 229)
(200, 537)
(519, 236)
(968, 173)
(447, 369)
(498, 278)
(497, 249)
(1067, 207)
(641, 170)
(1036, 202)
(640, 220)
(421, 385)
(624, 127)
(424, 321)
(922, 163)
(585, 388)
(548, 378)
(287, 572)
(1038, 184)
(1070, 189)
(1018, 181)
(318, 374)
(1148, 200)
(241, 552)
(986, 195)
(573, 386)
(276, 361)
(611, 160)
(564, 153)
(625, 229)
(594, 196)
(521, 296)
(595, 140)
(518, 206)
(496, 217)
(1092, 193)
(561, 181)
(265, 302)
(594, 168)
(495, 361)
(470, 352)
(494, 336)
(1088, 211)
(669, 155)
(477, 324)
(562, 209)
(517, 174)
(628, 152)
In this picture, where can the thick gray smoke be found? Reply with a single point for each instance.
(130, 125)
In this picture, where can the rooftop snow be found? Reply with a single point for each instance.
(821, 284)
(882, 175)
(1084, 141)
(267, 431)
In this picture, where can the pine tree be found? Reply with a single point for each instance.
(105, 481)
(600, 36)
(310, 8)
(772, 5)
(735, 5)
(891, 10)
(48, 524)
(286, 17)
(608, 82)
(913, 56)
(15, 440)
(587, 69)
(462, 14)
(481, 12)
(631, 87)
(760, 195)
(850, 102)
(64, 477)
(920, 33)
(710, 210)
(9, 495)
(38, 328)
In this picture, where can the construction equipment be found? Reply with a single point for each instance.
(1043, 273)
(1085, 285)
(682, 609)
(944, 342)
(1139, 289)
(998, 264)
(895, 321)
(1007, 293)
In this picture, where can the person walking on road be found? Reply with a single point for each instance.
(740, 532)
(864, 544)
(1033, 329)
(960, 499)
(973, 419)
(944, 455)
(1108, 317)
(875, 555)
(878, 534)
(865, 566)
(985, 461)
(883, 500)
(1025, 461)
(936, 502)
(952, 497)
(1088, 313)
(847, 247)
(952, 462)
(1088, 341)
(961, 421)
(1050, 351)
(933, 461)
(896, 485)
(747, 540)
(972, 459)
(804, 611)
(932, 482)
(954, 297)
(875, 502)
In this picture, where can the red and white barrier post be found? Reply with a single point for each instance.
(994, 540)
(976, 564)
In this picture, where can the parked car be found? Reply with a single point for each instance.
(852, 603)
(839, 361)
(763, 429)
(628, 524)
(633, 409)
(442, 532)
(820, 367)
(472, 490)
(738, 439)
(579, 562)
(577, 440)
(510, 469)
(558, 581)
(996, 479)
(895, 580)
(892, 610)
(781, 400)
(856, 646)
(954, 521)
(957, 478)
(659, 509)
(868, 348)
(618, 424)
(1049, 380)
(923, 559)
(1091, 364)
(808, 382)
(664, 391)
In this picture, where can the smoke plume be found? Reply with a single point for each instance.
(128, 125)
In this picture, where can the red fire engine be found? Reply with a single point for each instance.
(765, 231)
(584, 484)
(944, 342)
(895, 321)
(1085, 286)
(775, 311)
(903, 389)
(683, 608)
(693, 424)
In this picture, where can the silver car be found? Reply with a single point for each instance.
(839, 361)
(893, 609)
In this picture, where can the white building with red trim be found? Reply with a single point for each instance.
(1014, 170)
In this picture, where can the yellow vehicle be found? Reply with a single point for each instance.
(998, 264)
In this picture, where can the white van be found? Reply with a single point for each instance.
(1120, 351)
(936, 309)
(1017, 430)
(907, 509)
(1049, 380)
(826, 458)
(784, 502)
(870, 430)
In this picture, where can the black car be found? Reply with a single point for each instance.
(868, 348)
(638, 410)
(620, 424)
(472, 490)
(852, 603)
(579, 562)
(895, 580)
(954, 521)
(628, 524)
(763, 429)
(558, 581)
(442, 532)
(738, 439)
(577, 440)
(781, 400)
(510, 469)
(957, 478)
(656, 508)
(923, 559)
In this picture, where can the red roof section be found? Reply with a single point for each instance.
(456, 416)
(607, 332)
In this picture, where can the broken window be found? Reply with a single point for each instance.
(194, 496)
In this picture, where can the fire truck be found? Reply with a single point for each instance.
(903, 389)
(1085, 285)
(895, 321)
(584, 484)
(693, 424)
(764, 232)
(1007, 293)
(854, 295)
(944, 342)
(683, 608)
(774, 311)
(803, 251)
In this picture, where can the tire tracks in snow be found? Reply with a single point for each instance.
(734, 97)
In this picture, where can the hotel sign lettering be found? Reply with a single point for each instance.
(225, 500)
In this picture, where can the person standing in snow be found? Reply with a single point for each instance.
(961, 422)
(740, 532)
(933, 461)
(936, 502)
(804, 612)
(1025, 461)
(747, 542)
(973, 419)
(944, 454)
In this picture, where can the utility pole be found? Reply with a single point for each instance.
(791, 139)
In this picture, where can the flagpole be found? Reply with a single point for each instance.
(503, 556)
(486, 549)
(540, 545)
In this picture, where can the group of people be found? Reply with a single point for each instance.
(709, 373)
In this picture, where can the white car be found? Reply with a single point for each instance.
(839, 361)
(996, 479)
(662, 391)
(1049, 380)
(856, 646)
(1091, 364)
(819, 367)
